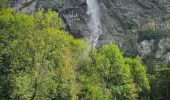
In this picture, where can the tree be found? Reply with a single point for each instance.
(36, 57)
(111, 68)
(161, 82)
(3, 3)
(40, 61)
(139, 76)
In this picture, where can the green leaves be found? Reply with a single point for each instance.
(49, 19)
(37, 56)
(160, 81)
(40, 61)
(3, 3)
(139, 75)
(124, 77)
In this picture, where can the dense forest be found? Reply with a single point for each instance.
(41, 61)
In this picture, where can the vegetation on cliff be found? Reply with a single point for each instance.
(40, 61)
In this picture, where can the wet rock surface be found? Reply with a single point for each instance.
(137, 26)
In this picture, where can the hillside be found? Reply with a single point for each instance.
(139, 27)
(84, 49)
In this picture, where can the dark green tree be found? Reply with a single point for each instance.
(161, 83)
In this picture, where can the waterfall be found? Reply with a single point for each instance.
(94, 23)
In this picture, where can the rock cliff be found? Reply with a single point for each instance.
(139, 27)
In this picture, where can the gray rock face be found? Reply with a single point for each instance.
(145, 47)
(163, 52)
(127, 23)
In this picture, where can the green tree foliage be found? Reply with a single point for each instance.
(40, 61)
(92, 87)
(36, 57)
(139, 75)
(161, 83)
(159, 77)
(110, 66)
(3, 3)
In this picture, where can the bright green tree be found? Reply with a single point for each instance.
(114, 73)
(40, 61)
(139, 76)
(36, 57)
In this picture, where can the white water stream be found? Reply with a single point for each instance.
(93, 11)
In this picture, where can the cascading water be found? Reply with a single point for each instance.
(94, 23)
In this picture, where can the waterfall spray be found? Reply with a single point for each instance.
(94, 23)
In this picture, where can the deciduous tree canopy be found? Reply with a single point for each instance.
(40, 61)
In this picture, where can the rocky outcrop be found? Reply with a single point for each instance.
(163, 52)
(137, 26)
(145, 47)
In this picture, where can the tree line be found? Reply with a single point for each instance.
(41, 61)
